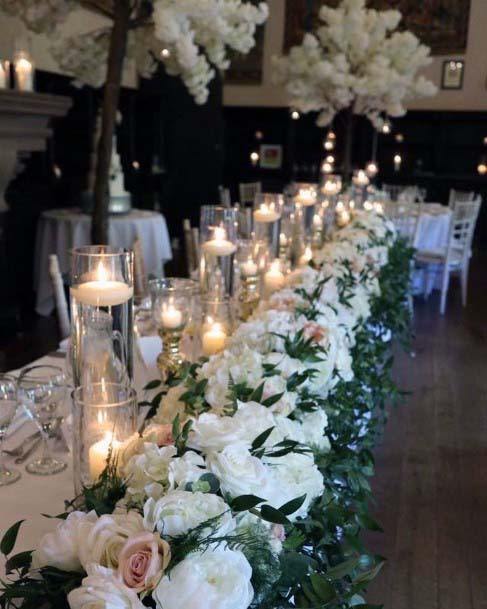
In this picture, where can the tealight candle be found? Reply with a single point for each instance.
(274, 278)
(98, 455)
(102, 292)
(24, 74)
(306, 197)
(397, 162)
(361, 178)
(219, 245)
(171, 317)
(214, 340)
(266, 213)
(249, 268)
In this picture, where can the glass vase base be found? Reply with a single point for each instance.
(46, 467)
(9, 476)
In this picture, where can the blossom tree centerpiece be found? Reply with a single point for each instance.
(356, 61)
(192, 38)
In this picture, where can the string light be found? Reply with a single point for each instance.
(371, 169)
(399, 137)
(165, 53)
(387, 127)
(254, 158)
(397, 162)
(482, 168)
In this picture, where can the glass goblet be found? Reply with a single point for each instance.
(8, 408)
(41, 391)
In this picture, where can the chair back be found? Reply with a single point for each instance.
(462, 227)
(225, 197)
(248, 190)
(459, 196)
(190, 247)
(59, 296)
(406, 219)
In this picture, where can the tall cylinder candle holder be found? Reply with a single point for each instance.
(102, 323)
(360, 181)
(217, 325)
(104, 418)
(306, 199)
(274, 278)
(218, 230)
(249, 279)
(171, 309)
(266, 216)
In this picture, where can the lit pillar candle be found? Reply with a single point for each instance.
(317, 222)
(101, 291)
(24, 74)
(219, 245)
(266, 213)
(98, 455)
(274, 278)
(4, 74)
(214, 339)
(171, 317)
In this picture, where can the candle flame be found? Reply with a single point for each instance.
(101, 272)
(219, 234)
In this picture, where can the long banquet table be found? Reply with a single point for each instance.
(33, 495)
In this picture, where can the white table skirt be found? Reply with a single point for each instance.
(60, 230)
(34, 495)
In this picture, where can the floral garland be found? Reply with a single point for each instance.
(249, 485)
(355, 58)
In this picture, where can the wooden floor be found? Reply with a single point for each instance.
(431, 482)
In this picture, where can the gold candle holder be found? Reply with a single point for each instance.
(171, 306)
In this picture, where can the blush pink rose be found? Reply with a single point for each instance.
(142, 561)
(315, 332)
(163, 434)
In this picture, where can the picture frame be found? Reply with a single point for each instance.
(270, 156)
(452, 74)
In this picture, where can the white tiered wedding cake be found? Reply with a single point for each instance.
(120, 199)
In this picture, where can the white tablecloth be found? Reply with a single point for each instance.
(60, 230)
(34, 495)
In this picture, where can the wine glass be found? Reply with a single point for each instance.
(8, 407)
(42, 391)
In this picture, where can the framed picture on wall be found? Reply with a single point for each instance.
(452, 74)
(270, 156)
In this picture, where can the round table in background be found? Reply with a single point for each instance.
(60, 230)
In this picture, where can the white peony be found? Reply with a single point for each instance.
(186, 469)
(60, 548)
(179, 511)
(102, 589)
(148, 472)
(242, 474)
(212, 580)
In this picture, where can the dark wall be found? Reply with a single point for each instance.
(441, 150)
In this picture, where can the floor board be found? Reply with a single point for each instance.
(431, 479)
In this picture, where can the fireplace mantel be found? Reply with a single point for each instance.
(24, 127)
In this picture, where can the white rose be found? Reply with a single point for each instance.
(101, 542)
(211, 432)
(60, 548)
(240, 473)
(171, 406)
(212, 580)
(313, 425)
(179, 511)
(102, 589)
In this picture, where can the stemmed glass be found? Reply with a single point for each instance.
(41, 392)
(8, 407)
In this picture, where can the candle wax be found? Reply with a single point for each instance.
(219, 247)
(266, 215)
(98, 455)
(171, 318)
(102, 293)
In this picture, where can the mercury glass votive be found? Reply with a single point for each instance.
(102, 326)
(104, 418)
(218, 235)
(171, 308)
